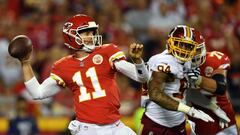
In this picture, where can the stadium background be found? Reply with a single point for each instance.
(121, 22)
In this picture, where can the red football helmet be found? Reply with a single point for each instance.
(72, 29)
(201, 52)
(181, 43)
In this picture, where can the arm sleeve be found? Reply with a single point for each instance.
(47, 89)
(137, 72)
(198, 98)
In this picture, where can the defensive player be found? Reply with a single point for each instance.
(164, 112)
(90, 74)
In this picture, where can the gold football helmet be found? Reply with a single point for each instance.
(181, 43)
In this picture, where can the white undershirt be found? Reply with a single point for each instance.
(49, 87)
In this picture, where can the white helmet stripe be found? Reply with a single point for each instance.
(92, 25)
(185, 32)
(191, 33)
(173, 31)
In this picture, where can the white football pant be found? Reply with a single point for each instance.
(232, 130)
(117, 128)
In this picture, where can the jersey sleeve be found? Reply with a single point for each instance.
(218, 60)
(114, 53)
(164, 63)
(56, 74)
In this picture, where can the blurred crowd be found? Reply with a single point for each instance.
(121, 22)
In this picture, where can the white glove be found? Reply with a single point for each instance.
(221, 114)
(223, 123)
(199, 115)
(224, 120)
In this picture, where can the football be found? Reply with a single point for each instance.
(20, 46)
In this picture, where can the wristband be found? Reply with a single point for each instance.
(183, 108)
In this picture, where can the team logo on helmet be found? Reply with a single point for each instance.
(97, 59)
(67, 26)
(208, 71)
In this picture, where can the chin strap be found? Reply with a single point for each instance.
(88, 49)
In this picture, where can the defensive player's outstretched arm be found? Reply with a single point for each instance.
(48, 88)
(156, 93)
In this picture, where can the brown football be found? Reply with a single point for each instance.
(20, 46)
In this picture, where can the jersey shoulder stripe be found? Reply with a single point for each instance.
(58, 79)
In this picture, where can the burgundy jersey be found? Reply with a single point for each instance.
(214, 60)
(92, 82)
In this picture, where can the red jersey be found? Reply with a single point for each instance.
(214, 60)
(92, 81)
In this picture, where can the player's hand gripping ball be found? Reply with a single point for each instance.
(20, 47)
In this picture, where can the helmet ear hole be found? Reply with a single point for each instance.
(79, 40)
(73, 32)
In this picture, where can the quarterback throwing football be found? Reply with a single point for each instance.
(90, 74)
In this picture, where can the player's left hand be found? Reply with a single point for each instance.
(221, 114)
(135, 52)
(223, 123)
(193, 76)
(224, 120)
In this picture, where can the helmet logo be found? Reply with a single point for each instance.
(97, 59)
(208, 71)
(67, 26)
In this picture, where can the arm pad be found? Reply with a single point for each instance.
(48, 88)
(183, 108)
(221, 84)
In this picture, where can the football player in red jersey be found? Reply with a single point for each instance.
(211, 82)
(90, 74)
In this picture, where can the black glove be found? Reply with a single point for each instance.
(193, 74)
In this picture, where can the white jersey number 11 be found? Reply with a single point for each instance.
(84, 95)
